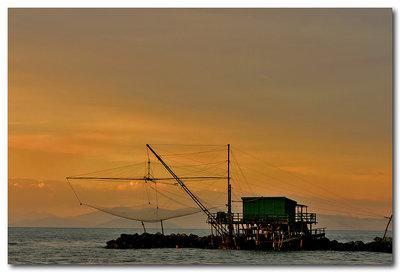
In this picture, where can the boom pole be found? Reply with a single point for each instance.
(218, 226)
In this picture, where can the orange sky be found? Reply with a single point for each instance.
(309, 91)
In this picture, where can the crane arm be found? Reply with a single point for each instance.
(219, 227)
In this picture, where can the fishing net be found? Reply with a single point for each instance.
(147, 192)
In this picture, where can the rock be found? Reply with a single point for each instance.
(359, 246)
(380, 245)
(112, 244)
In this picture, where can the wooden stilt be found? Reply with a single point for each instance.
(257, 236)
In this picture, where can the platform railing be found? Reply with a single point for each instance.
(306, 217)
(318, 232)
(223, 218)
(267, 218)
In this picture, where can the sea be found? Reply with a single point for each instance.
(33, 246)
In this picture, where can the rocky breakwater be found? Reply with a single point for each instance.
(158, 240)
(377, 245)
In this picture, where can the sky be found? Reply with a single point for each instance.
(306, 91)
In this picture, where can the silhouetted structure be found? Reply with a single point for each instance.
(271, 222)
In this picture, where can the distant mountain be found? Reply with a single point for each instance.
(341, 222)
(51, 221)
(85, 220)
(102, 220)
(195, 221)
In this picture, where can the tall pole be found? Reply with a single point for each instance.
(229, 204)
(387, 226)
(144, 228)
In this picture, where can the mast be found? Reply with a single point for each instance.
(229, 204)
(387, 226)
(162, 227)
(144, 228)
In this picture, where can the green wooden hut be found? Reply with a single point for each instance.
(268, 209)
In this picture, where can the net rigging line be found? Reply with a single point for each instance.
(124, 174)
(121, 176)
(320, 196)
(183, 165)
(294, 175)
(116, 211)
(164, 193)
(211, 170)
(190, 153)
(73, 190)
(191, 145)
(174, 194)
(193, 188)
(236, 186)
(213, 166)
(241, 172)
(194, 165)
(199, 166)
(140, 219)
(236, 183)
(174, 198)
(370, 212)
(108, 169)
(196, 161)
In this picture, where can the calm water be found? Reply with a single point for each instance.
(86, 246)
